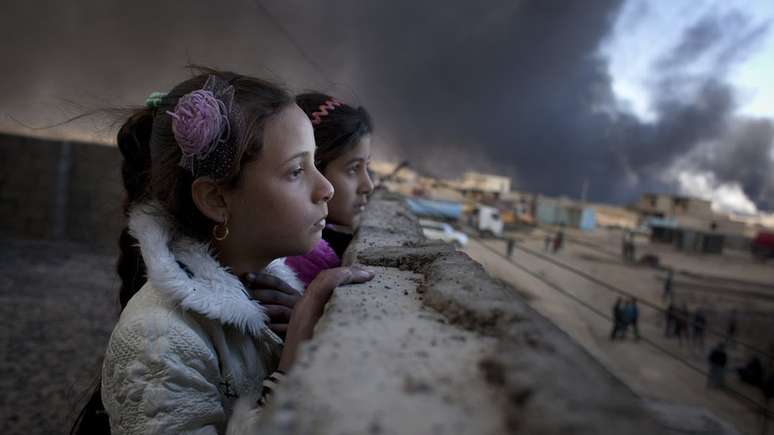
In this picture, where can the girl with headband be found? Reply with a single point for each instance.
(343, 137)
(221, 182)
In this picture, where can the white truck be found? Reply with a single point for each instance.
(487, 220)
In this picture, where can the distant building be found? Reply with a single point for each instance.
(690, 223)
(563, 211)
(670, 206)
(611, 216)
(395, 177)
(400, 172)
(382, 168)
(518, 207)
(475, 182)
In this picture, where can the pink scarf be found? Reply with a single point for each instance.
(308, 266)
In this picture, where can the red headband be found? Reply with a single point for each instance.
(325, 109)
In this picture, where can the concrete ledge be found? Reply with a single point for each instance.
(386, 223)
(433, 345)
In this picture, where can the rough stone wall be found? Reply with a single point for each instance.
(60, 190)
(433, 345)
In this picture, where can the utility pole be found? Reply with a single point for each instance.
(584, 190)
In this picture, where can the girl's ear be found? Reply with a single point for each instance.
(209, 199)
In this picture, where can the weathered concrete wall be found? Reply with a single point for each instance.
(433, 345)
(60, 190)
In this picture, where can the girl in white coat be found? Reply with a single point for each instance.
(221, 182)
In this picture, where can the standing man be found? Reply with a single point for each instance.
(559, 240)
(717, 361)
(671, 320)
(699, 325)
(625, 246)
(731, 330)
(619, 324)
(668, 294)
(633, 317)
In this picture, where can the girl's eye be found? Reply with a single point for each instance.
(297, 171)
(353, 169)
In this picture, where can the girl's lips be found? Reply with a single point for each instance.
(319, 225)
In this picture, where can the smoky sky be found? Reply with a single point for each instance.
(514, 87)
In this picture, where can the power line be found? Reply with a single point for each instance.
(316, 66)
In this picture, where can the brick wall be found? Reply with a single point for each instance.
(60, 190)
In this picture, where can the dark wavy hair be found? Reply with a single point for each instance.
(338, 131)
(150, 170)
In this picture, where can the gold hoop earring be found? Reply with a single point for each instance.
(220, 231)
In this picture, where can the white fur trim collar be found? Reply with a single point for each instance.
(211, 290)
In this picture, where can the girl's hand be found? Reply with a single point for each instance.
(310, 308)
(275, 295)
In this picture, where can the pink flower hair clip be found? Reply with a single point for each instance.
(200, 123)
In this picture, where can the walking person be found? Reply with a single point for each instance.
(699, 326)
(511, 245)
(718, 359)
(632, 315)
(670, 316)
(681, 323)
(768, 393)
(625, 246)
(618, 320)
(558, 240)
(731, 330)
(668, 294)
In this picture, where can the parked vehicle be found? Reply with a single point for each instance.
(436, 209)
(487, 220)
(443, 231)
(763, 246)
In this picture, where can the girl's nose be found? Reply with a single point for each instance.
(324, 191)
(366, 184)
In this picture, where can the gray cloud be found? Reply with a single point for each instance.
(512, 86)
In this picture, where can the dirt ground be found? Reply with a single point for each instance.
(658, 368)
(58, 304)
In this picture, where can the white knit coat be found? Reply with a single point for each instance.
(189, 343)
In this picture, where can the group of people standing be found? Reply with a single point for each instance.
(556, 243)
(680, 321)
(691, 325)
(686, 324)
(683, 324)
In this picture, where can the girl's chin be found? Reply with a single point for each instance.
(314, 240)
(346, 223)
(303, 247)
